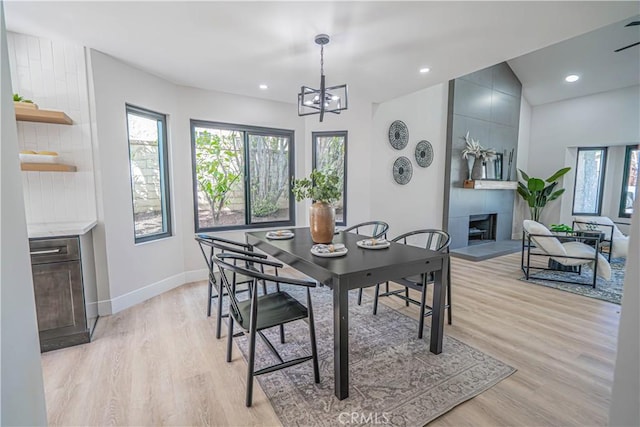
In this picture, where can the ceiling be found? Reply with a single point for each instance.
(376, 47)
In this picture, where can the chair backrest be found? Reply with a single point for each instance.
(375, 229)
(210, 245)
(542, 237)
(228, 263)
(436, 240)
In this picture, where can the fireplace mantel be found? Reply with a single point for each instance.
(488, 184)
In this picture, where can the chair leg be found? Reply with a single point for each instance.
(251, 365)
(230, 338)
(422, 305)
(449, 315)
(360, 296)
(375, 299)
(387, 287)
(219, 313)
(210, 298)
(282, 334)
(406, 294)
(312, 336)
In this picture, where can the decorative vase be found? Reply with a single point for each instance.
(478, 171)
(470, 161)
(322, 222)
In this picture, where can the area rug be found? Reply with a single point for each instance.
(394, 378)
(606, 290)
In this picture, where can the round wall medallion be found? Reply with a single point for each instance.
(424, 153)
(402, 170)
(398, 135)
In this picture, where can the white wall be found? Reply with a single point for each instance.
(521, 209)
(625, 395)
(604, 119)
(53, 75)
(21, 388)
(419, 203)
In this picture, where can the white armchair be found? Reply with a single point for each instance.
(618, 243)
(569, 254)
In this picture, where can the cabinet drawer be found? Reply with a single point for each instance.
(54, 250)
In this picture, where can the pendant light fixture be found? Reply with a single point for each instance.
(331, 99)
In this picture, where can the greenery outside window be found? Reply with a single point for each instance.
(629, 181)
(589, 184)
(148, 165)
(241, 176)
(330, 156)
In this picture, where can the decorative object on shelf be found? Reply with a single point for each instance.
(402, 170)
(331, 99)
(508, 177)
(322, 189)
(480, 154)
(498, 166)
(21, 102)
(424, 153)
(537, 194)
(30, 156)
(398, 135)
(560, 228)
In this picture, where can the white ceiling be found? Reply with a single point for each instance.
(590, 56)
(376, 47)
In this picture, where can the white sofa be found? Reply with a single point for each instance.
(618, 242)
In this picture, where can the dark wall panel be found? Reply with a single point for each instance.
(487, 105)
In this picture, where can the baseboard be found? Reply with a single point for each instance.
(140, 295)
(196, 275)
(119, 303)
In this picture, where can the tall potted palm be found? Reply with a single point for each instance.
(538, 192)
(323, 190)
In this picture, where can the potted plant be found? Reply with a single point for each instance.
(21, 102)
(323, 190)
(537, 193)
(479, 154)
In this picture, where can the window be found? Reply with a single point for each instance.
(589, 185)
(241, 176)
(629, 181)
(330, 156)
(147, 133)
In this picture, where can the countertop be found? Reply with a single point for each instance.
(54, 229)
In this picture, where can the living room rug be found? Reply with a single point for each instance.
(394, 378)
(606, 290)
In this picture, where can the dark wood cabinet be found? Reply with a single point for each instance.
(59, 292)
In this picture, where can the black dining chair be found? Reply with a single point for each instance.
(373, 229)
(436, 240)
(209, 246)
(263, 312)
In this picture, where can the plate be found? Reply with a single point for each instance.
(380, 244)
(340, 251)
(286, 234)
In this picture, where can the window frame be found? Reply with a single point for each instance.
(246, 130)
(625, 180)
(314, 139)
(603, 173)
(165, 188)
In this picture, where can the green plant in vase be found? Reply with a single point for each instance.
(323, 189)
(538, 192)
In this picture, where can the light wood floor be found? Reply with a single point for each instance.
(158, 363)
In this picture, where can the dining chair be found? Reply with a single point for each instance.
(436, 240)
(258, 313)
(373, 229)
(209, 246)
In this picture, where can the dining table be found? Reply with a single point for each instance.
(358, 268)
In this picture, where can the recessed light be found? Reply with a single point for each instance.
(263, 87)
(572, 78)
(425, 70)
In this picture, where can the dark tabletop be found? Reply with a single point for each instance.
(357, 268)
